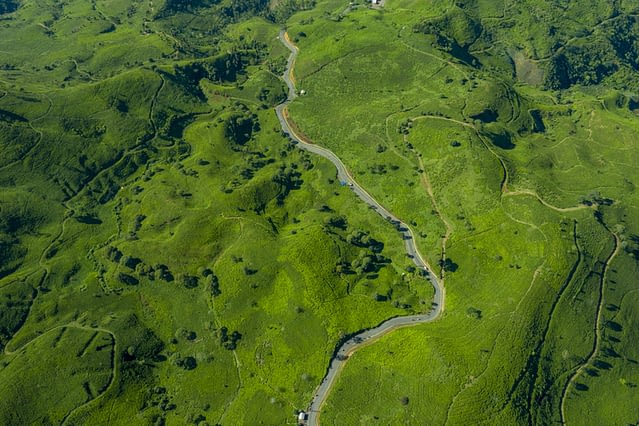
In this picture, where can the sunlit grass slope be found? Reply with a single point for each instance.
(167, 255)
(525, 196)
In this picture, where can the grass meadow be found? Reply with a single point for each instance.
(167, 249)
(173, 256)
(528, 217)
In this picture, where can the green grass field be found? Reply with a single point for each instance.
(526, 212)
(167, 256)
(150, 205)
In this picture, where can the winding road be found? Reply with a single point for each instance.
(369, 336)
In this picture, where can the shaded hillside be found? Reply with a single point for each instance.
(8, 6)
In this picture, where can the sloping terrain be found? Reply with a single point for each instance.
(168, 255)
(520, 179)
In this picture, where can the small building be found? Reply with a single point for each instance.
(302, 92)
(301, 417)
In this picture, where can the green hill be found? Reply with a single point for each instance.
(169, 256)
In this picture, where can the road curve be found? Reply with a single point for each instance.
(369, 336)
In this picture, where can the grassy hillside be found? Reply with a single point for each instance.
(155, 223)
(173, 258)
(525, 193)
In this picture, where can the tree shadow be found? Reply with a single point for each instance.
(581, 387)
(613, 339)
(592, 372)
(502, 140)
(610, 352)
(614, 326)
(612, 308)
(88, 220)
(602, 365)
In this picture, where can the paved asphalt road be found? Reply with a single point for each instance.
(368, 336)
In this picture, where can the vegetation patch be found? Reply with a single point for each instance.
(176, 259)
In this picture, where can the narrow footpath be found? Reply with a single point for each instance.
(369, 336)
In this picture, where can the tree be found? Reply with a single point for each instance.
(8, 6)
(448, 265)
(473, 313)
(190, 281)
(128, 279)
(229, 341)
(239, 127)
(187, 363)
(337, 222)
(214, 285)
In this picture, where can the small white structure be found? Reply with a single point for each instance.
(302, 92)
(301, 417)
